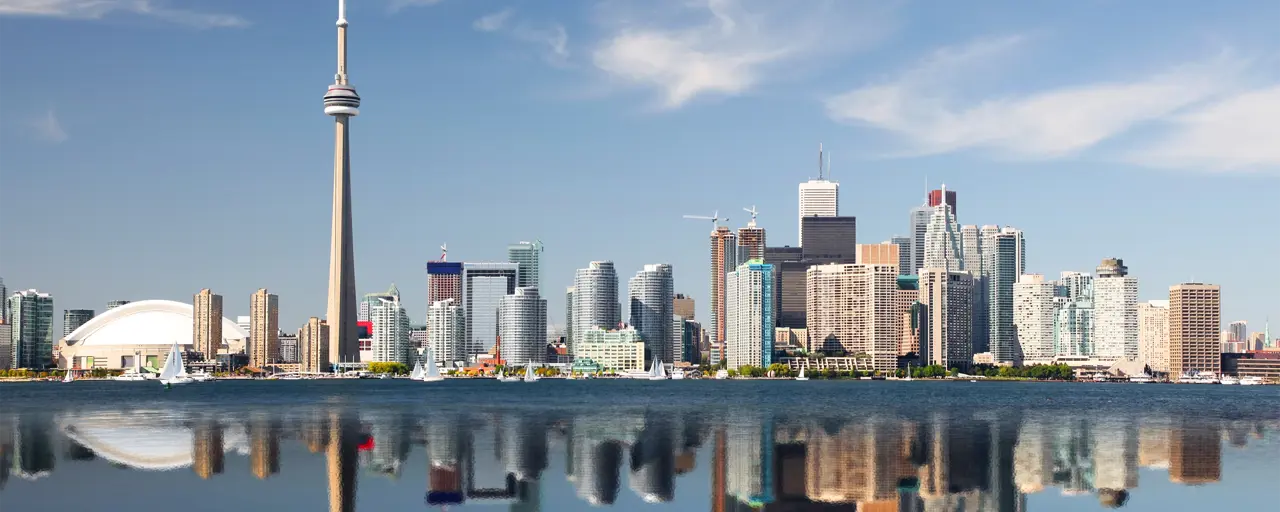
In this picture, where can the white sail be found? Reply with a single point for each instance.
(172, 364)
(416, 374)
(430, 370)
(68, 377)
(802, 373)
(529, 375)
(657, 371)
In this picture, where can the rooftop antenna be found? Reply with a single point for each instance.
(819, 161)
(753, 213)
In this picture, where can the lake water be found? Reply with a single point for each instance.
(637, 445)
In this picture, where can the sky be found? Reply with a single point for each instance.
(151, 148)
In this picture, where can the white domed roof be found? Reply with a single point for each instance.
(147, 322)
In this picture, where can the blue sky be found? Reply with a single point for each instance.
(151, 148)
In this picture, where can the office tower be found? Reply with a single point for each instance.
(1153, 335)
(818, 198)
(288, 348)
(447, 331)
(1115, 312)
(1194, 320)
(789, 282)
(342, 102)
(483, 286)
(72, 319)
(1034, 315)
(527, 256)
(651, 309)
(4, 309)
(112, 304)
(264, 329)
(372, 299)
(684, 306)
(207, 324)
(522, 327)
(1004, 260)
(6, 343)
(724, 259)
(749, 315)
(942, 246)
(685, 336)
(568, 320)
(877, 254)
(830, 239)
(1239, 330)
(595, 300)
(971, 244)
(1074, 325)
(313, 346)
(948, 297)
(853, 308)
(390, 330)
(917, 229)
(904, 254)
(935, 197)
(444, 281)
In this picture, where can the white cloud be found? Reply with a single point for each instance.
(47, 128)
(396, 5)
(734, 46)
(919, 105)
(494, 21)
(1234, 134)
(96, 9)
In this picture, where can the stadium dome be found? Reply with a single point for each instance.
(145, 328)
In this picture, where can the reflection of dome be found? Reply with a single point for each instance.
(1113, 498)
(148, 322)
(153, 444)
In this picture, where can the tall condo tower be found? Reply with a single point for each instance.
(724, 248)
(818, 198)
(595, 300)
(342, 102)
(527, 256)
(751, 241)
(651, 309)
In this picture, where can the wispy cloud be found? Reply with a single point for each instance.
(920, 105)
(731, 47)
(1233, 134)
(48, 128)
(96, 9)
(494, 21)
(552, 37)
(396, 5)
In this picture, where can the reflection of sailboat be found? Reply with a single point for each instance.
(428, 372)
(801, 376)
(657, 371)
(174, 372)
(529, 375)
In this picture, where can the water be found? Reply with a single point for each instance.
(637, 445)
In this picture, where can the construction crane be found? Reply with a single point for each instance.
(714, 218)
(753, 213)
(444, 252)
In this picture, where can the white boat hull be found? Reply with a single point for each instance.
(431, 379)
(176, 380)
(802, 378)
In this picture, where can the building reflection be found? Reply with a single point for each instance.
(754, 460)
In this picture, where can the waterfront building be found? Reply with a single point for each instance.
(313, 346)
(31, 317)
(595, 300)
(288, 348)
(527, 257)
(264, 329)
(522, 324)
(1194, 321)
(1074, 325)
(651, 309)
(143, 332)
(620, 350)
(72, 319)
(749, 315)
(568, 320)
(1153, 335)
(1115, 312)
(390, 342)
(945, 339)
(854, 309)
(6, 344)
(484, 285)
(1034, 317)
(1003, 257)
(206, 324)
(447, 332)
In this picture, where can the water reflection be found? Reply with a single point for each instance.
(945, 461)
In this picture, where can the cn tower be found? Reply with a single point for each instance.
(342, 103)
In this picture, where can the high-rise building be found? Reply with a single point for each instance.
(288, 348)
(1115, 312)
(686, 335)
(342, 102)
(942, 244)
(1153, 335)
(483, 287)
(946, 339)
(1004, 260)
(830, 239)
(264, 328)
(4, 308)
(724, 259)
(313, 346)
(444, 281)
(1034, 316)
(31, 318)
(6, 343)
(935, 197)
(390, 330)
(1194, 321)
(372, 299)
(1074, 325)
(72, 319)
(904, 254)
(527, 256)
(749, 315)
(917, 229)
(818, 198)
(878, 254)
(788, 285)
(684, 306)
(112, 304)
(651, 309)
(853, 308)
(522, 321)
(751, 242)
(206, 330)
(568, 319)
(971, 243)
(447, 332)
(595, 300)
(1239, 330)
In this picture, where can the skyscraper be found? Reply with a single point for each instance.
(749, 315)
(1239, 330)
(390, 329)
(31, 318)
(1153, 334)
(264, 328)
(1194, 321)
(1034, 315)
(830, 239)
(527, 255)
(946, 339)
(751, 242)
(447, 331)
(342, 102)
(853, 308)
(935, 197)
(568, 319)
(483, 286)
(4, 308)
(72, 319)
(788, 285)
(1004, 259)
(942, 245)
(313, 346)
(444, 281)
(917, 229)
(6, 342)
(818, 198)
(595, 299)
(904, 254)
(651, 309)
(206, 320)
(1074, 326)
(1115, 312)
(522, 320)
(684, 306)
(723, 260)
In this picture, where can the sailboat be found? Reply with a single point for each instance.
(416, 374)
(429, 372)
(174, 372)
(801, 376)
(68, 377)
(658, 371)
(529, 375)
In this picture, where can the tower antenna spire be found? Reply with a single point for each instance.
(819, 161)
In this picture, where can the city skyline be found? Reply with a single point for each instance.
(145, 249)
